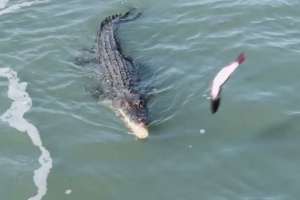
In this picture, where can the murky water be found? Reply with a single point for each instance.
(248, 150)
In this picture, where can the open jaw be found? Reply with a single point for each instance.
(140, 130)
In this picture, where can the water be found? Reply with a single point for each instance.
(248, 150)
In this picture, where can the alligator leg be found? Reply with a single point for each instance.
(85, 57)
(100, 96)
(96, 92)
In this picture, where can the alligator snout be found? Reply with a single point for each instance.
(143, 122)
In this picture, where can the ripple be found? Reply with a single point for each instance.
(16, 7)
(180, 45)
(14, 117)
(3, 3)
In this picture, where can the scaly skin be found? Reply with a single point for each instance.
(117, 75)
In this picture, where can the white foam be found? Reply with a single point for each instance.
(68, 191)
(14, 117)
(18, 6)
(202, 131)
(3, 3)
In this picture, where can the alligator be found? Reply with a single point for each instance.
(118, 78)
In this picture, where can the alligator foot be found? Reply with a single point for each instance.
(102, 98)
(85, 57)
(96, 92)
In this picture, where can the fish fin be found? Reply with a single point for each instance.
(215, 104)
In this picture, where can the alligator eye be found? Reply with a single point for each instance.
(139, 103)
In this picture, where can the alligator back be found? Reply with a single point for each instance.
(115, 69)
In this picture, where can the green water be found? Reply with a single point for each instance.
(250, 148)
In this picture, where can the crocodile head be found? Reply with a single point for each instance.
(133, 109)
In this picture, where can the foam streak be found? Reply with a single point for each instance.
(18, 6)
(14, 117)
(3, 3)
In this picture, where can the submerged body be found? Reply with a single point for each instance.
(118, 77)
(220, 79)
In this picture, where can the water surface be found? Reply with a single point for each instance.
(249, 149)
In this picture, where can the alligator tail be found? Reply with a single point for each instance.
(128, 16)
(132, 14)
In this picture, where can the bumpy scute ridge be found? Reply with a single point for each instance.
(110, 19)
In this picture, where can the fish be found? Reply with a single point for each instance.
(220, 79)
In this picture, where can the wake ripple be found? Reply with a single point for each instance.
(16, 7)
(14, 116)
(3, 3)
